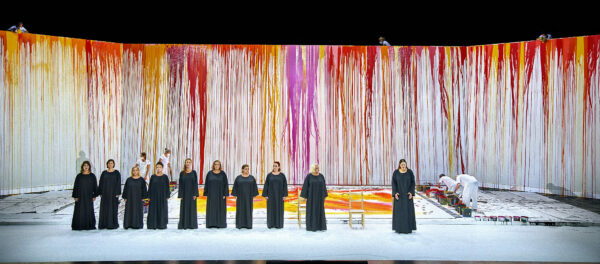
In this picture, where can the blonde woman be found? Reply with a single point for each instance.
(188, 192)
(134, 194)
(216, 190)
(314, 190)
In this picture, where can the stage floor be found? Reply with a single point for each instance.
(56, 207)
(36, 227)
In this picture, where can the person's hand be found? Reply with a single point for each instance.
(266, 197)
(125, 200)
(409, 195)
(76, 199)
(146, 178)
(117, 196)
(396, 195)
(223, 197)
(148, 199)
(93, 199)
(194, 197)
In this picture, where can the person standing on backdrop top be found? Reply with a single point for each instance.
(383, 42)
(19, 28)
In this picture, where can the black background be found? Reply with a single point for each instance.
(305, 23)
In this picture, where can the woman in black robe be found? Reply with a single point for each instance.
(314, 190)
(84, 193)
(109, 190)
(216, 190)
(188, 193)
(134, 194)
(244, 189)
(275, 190)
(158, 194)
(403, 191)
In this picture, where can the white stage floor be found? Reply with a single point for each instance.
(33, 243)
(36, 227)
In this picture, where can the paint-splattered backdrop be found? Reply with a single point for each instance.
(522, 116)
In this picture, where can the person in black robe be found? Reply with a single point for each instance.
(403, 192)
(216, 190)
(188, 192)
(84, 193)
(109, 190)
(275, 190)
(134, 194)
(159, 193)
(244, 189)
(314, 190)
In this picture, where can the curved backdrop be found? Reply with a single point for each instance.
(522, 116)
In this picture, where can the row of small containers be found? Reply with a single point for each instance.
(450, 199)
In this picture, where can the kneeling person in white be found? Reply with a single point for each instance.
(470, 189)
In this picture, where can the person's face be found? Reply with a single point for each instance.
(316, 169)
(167, 154)
(136, 171)
(110, 164)
(246, 170)
(143, 158)
(403, 165)
(188, 164)
(86, 167)
(275, 167)
(159, 168)
(20, 24)
(217, 165)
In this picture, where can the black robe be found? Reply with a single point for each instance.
(109, 189)
(245, 189)
(188, 212)
(84, 189)
(315, 191)
(135, 192)
(159, 193)
(403, 214)
(215, 187)
(275, 189)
